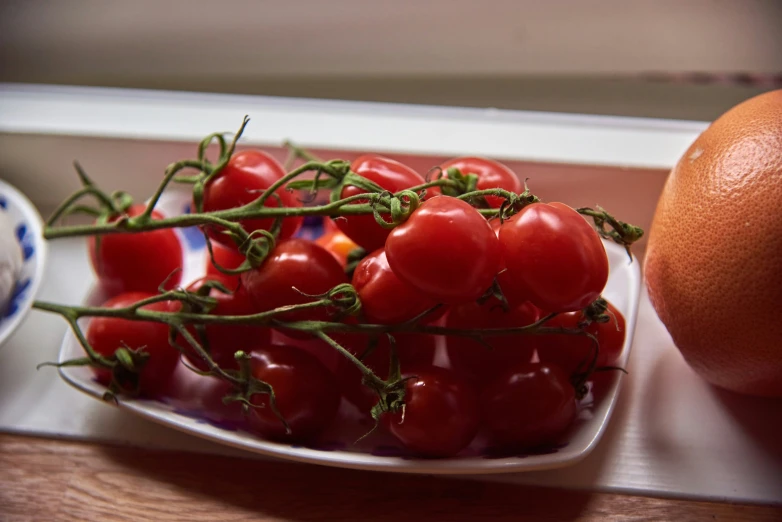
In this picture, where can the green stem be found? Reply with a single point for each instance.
(171, 171)
(368, 374)
(213, 367)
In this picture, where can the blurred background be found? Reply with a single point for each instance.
(666, 58)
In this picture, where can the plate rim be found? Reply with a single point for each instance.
(32, 218)
(449, 466)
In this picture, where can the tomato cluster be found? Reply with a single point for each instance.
(446, 265)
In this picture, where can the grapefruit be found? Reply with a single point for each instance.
(714, 261)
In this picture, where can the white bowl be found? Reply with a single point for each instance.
(28, 229)
(380, 452)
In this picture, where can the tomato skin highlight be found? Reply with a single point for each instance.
(388, 174)
(440, 417)
(295, 264)
(573, 353)
(491, 174)
(137, 262)
(385, 299)
(246, 176)
(306, 393)
(476, 361)
(446, 249)
(527, 406)
(225, 340)
(106, 334)
(553, 257)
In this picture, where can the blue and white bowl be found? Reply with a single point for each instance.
(28, 229)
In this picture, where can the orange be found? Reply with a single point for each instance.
(714, 261)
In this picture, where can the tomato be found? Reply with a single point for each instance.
(224, 340)
(527, 406)
(246, 176)
(337, 243)
(385, 299)
(491, 174)
(475, 360)
(391, 176)
(413, 351)
(137, 262)
(306, 393)
(106, 334)
(440, 416)
(295, 264)
(553, 257)
(574, 353)
(203, 395)
(446, 249)
(226, 257)
(326, 354)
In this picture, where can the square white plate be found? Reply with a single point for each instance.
(380, 452)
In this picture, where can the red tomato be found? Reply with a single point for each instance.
(326, 354)
(574, 353)
(224, 340)
(245, 177)
(337, 243)
(306, 393)
(440, 417)
(491, 174)
(385, 299)
(107, 334)
(137, 262)
(527, 406)
(226, 257)
(553, 257)
(203, 395)
(390, 175)
(295, 264)
(446, 249)
(475, 360)
(413, 351)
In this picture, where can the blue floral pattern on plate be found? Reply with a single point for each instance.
(27, 228)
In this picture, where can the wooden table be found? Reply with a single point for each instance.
(43, 479)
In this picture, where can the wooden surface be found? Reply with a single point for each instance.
(43, 479)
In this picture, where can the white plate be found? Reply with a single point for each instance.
(380, 452)
(28, 229)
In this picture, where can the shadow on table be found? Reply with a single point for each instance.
(288, 491)
(760, 418)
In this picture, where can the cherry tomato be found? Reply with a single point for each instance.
(245, 177)
(224, 340)
(306, 393)
(326, 354)
(413, 351)
(385, 299)
(527, 406)
(295, 264)
(337, 243)
(440, 416)
(475, 360)
(390, 175)
(553, 257)
(226, 257)
(106, 334)
(446, 249)
(572, 352)
(137, 262)
(491, 174)
(203, 395)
